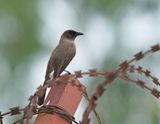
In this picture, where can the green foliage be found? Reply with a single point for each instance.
(19, 39)
(20, 30)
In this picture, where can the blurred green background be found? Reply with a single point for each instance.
(114, 31)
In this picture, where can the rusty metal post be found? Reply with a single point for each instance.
(67, 96)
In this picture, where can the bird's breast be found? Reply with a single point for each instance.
(67, 49)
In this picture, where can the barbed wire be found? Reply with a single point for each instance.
(123, 72)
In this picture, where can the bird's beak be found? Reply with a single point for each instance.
(79, 33)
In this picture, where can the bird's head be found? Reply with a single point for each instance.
(70, 34)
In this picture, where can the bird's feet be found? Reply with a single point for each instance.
(67, 71)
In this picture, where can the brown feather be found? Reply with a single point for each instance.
(61, 57)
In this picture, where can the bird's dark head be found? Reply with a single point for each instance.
(70, 34)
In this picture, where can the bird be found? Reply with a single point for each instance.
(60, 57)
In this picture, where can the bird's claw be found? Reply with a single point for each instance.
(67, 71)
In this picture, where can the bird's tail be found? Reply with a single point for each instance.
(41, 99)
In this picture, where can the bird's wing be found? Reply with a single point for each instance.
(62, 65)
(64, 60)
(59, 60)
(52, 61)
